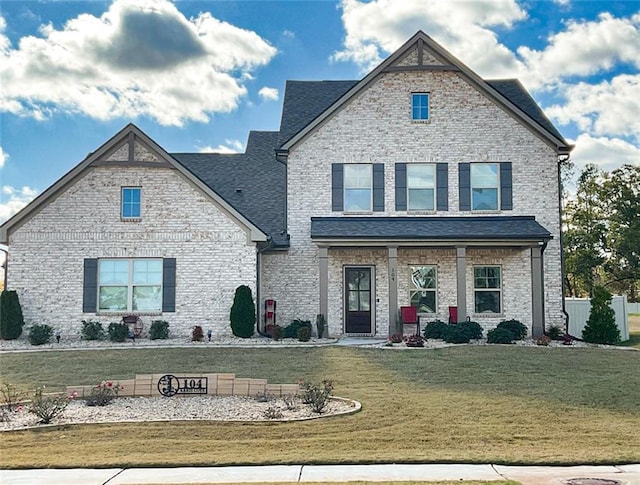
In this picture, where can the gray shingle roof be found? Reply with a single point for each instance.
(252, 182)
(429, 228)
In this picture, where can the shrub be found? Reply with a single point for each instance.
(291, 330)
(321, 324)
(544, 340)
(601, 326)
(92, 330)
(456, 334)
(517, 329)
(500, 336)
(472, 329)
(304, 334)
(103, 393)
(40, 334)
(243, 313)
(273, 412)
(396, 338)
(118, 332)
(435, 330)
(316, 395)
(48, 407)
(11, 319)
(159, 330)
(11, 396)
(197, 334)
(414, 341)
(555, 332)
(276, 332)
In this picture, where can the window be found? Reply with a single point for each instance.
(420, 106)
(131, 202)
(421, 187)
(130, 285)
(422, 288)
(485, 181)
(487, 289)
(358, 187)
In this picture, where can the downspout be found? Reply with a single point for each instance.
(560, 188)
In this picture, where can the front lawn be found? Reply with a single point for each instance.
(476, 404)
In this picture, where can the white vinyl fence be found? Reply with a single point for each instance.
(579, 308)
(633, 307)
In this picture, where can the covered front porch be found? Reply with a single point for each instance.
(488, 268)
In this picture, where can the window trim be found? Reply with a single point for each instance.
(130, 218)
(414, 289)
(433, 187)
(498, 290)
(414, 94)
(345, 188)
(497, 187)
(130, 287)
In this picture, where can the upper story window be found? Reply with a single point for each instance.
(422, 288)
(420, 106)
(131, 203)
(485, 183)
(421, 184)
(130, 285)
(358, 187)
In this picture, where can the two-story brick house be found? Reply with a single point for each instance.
(421, 184)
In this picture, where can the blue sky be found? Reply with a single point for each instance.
(198, 75)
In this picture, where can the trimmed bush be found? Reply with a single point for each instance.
(435, 329)
(601, 327)
(40, 334)
(472, 329)
(118, 332)
(243, 313)
(456, 334)
(304, 334)
(276, 332)
(500, 336)
(92, 330)
(159, 330)
(555, 332)
(197, 334)
(11, 318)
(291, 330)
(517, 329)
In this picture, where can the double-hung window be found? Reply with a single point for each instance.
(485, 182)
(421, 184)
(422, 288)
(420, 106)
(358, 187)
(487, 289)
(131, 203)
(130, 285)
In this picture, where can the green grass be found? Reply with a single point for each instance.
(475, 404)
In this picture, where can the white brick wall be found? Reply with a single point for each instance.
(375, 127)
(178, 221)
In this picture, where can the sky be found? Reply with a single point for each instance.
(197, 76)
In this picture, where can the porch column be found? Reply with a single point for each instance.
(323, 259)
(537, 292)
(461, 282)
(393, 289)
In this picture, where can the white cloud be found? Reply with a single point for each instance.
(140, 58)
(12, 200)
(230, 146)
(269, 94)
(607, 153)
(3, 157)
(608, 108)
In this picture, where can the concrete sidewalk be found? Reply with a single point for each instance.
(527, 475)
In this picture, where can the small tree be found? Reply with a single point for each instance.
(11, 319)
(243, 313)
(601, 327)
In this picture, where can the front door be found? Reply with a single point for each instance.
(358, 300)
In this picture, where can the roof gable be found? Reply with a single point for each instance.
(421, 52)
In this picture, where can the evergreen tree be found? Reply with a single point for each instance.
(601, 327)
(243, 313)
(11, 319)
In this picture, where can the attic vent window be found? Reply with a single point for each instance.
(420, 107)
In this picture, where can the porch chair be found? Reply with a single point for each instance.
(409, 316)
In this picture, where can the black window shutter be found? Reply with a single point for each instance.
(90, 286)
(337, 186)
(442, 187)
(464, 186)
(378, 187)
(169, 285)
(506, 188)
(401, 186)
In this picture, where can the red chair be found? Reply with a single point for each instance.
(453, 314)
(409, 316)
